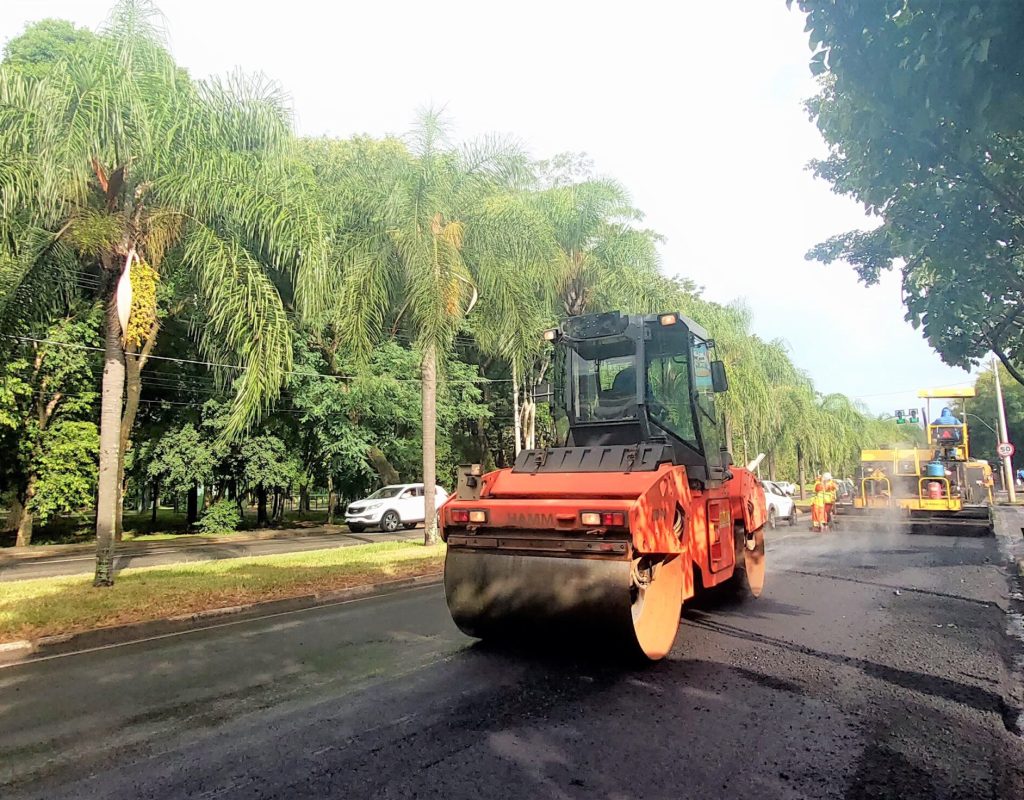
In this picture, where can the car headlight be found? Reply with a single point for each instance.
(371, 506)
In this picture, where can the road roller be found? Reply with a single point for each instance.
(639, 508)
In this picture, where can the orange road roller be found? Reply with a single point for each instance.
(606, 536)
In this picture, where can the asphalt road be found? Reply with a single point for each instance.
(156, 555)
(874, 666)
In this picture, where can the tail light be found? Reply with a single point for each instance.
(466, 515)
(604, 519)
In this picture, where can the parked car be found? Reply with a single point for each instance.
(786, 486)
(780, 504)
(390, 508)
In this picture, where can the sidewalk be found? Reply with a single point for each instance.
(9, 555)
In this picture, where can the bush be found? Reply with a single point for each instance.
(221, 517)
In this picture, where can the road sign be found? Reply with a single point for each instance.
(1005, 449)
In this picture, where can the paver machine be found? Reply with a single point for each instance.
(939, 488)
(607, 535)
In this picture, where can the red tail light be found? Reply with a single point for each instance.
(459, 515)
(604, 519)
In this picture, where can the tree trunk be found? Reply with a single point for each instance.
(261, 506)
(134, 363)
(156, 502)
(110, 434)
(517, 423)
(529, 415)
(771, 466)
(728, 436)
(207, 496)
(25, 518)
(14, 513)
(800, 469)
(192, 505)
(429, 398)
(304, 498)
(388, 474)
(330, 500)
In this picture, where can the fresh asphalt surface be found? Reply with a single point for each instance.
(156, 556)
(874, 666)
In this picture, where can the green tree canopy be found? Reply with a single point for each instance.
(922, 104)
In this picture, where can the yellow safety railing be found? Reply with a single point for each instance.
(947, 493)
(887, 492)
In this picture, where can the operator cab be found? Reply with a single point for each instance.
(636, 391)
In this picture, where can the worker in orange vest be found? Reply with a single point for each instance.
(818, 519)
(831, 491)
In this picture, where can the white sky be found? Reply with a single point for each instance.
(695, 107)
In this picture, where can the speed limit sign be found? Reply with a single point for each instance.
(1005, 449)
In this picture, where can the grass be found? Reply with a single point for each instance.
(50, 606)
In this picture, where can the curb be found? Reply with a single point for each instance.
(26, 650)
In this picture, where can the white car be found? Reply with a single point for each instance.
(780, 504)
(786, 486)
(390, 508)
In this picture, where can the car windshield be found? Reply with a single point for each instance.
(387, 491)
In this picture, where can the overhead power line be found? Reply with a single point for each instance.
(241, 367)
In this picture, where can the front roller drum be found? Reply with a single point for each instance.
(628, 605)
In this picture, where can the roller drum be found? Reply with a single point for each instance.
(625, 604)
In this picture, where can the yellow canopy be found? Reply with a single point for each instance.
(948, 393)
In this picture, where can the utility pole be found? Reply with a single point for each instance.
(1011, 492)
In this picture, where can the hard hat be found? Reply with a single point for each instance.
(827, 476)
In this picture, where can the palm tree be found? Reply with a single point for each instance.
(117, 157)
(430, 229)
(602, 259)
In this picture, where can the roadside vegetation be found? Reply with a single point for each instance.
(219, 313)
(48, 606)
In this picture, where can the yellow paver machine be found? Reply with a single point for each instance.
(933, 489)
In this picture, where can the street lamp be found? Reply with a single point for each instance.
(982, 422)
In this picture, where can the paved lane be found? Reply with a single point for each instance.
(155, 556)
(873, 667)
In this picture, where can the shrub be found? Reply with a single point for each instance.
(221, 517)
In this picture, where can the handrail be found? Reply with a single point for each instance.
(920, 490)
(863, 489)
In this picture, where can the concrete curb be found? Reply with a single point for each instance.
(1008, 526)
(42, 552)
(17, 652)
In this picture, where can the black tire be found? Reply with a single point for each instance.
(390, 522)
(792, 516)
(749, 574)
(771, 517)
(409, 525)
(356, 528)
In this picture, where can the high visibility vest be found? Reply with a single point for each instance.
(830, 492)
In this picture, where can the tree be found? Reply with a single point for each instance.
(267, 467)
(118, 157)
(183, 460)
(47, 403)
(428, 229)
(921, 104)
(45, 43)
(982, 419)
